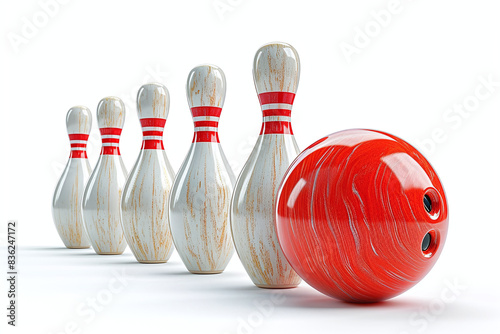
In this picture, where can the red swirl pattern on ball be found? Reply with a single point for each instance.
(351, 217)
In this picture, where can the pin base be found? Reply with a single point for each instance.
(205, 272)
(152, 261)
(285, 286)
(77, 247)
(110, 253)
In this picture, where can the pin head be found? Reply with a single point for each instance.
(276, 71)
(206, 91)
(153, 101)
(78, 123)
(110, 113)
(110, 118)
(206, 86)
(276, 68)
(79, 120)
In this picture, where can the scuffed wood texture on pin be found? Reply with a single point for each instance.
(110, 113)
(201, 195)
(101, 200)
(144, 206)
(66, 203)
(206, 86)
(276, 68)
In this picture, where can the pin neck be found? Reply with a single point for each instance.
(152, 133)
(276, 112)
(110, 141)
(78, 143)
(206, 124)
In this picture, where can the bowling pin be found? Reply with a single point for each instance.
(201, 194)
(144, 205)
(101, 199)
(66, 203)
(276, 70)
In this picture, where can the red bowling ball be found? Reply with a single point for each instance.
(361, 216)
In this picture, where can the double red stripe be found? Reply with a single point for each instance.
(81, 152)
(206, 136)
(110, 150)
(276, 127)
(152, 144)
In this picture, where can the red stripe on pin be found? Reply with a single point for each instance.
(277, 112)
(81, 153)
(110, 140)
(78, 136)
(152, 145)
(276, 97)
(206, 123)
(156, 122)
(206, 137)
(206, 111)
(152, 133)
(111, 131)
(276, 128)
(78, 155)
(110, 150)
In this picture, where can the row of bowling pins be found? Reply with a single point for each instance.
(203, 210)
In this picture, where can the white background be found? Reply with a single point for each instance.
(429, 57)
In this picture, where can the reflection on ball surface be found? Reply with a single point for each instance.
(361, 215)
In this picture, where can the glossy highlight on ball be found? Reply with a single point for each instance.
(361, 216)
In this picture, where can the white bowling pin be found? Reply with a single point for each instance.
(276, 70)
(201, 194)
(101, 199)
(144, 205)
(66, 203)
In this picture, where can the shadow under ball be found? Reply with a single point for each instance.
(361, 216)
